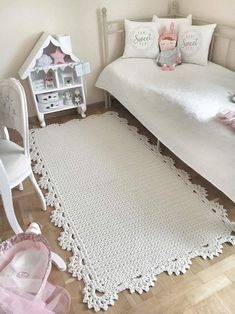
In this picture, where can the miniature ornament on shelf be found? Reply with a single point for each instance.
(78, 101)
(67, 79)
(58, 56)
(49, 83)
(83, 68)
(77, 97)
(68, 98)
(81, 110)
(44, 60)
(38, 84)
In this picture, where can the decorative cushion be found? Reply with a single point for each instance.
(141, 40)
(194, 42)
(161, 22)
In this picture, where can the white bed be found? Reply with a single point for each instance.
(179, 108)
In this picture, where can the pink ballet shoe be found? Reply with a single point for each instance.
(164, 67)
(172, 67)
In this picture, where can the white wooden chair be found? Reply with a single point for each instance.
(15, 159)
(15, 163)
(5, 191)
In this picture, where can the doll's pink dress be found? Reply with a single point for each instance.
(25, 264)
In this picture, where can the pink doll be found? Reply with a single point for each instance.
(169, 55)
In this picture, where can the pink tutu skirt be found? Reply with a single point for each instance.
(25, 264)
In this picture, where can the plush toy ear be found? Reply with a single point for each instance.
(163, 31)
(172, 27)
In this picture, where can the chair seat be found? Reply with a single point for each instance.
(16, 163)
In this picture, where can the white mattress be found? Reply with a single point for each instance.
(178, 108)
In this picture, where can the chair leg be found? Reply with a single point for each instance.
(109, 100)
(9, 210)
(42, 199)
(106, 100)
(158, 145)
(56, 259)
(20, 187)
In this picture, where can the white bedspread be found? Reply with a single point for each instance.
(162, 101)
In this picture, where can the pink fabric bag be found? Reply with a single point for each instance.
(227, 118)
(25, 264)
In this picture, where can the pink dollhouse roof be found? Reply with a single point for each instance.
(37, 51)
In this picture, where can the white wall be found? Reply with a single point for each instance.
(219, 11)
(23, 21)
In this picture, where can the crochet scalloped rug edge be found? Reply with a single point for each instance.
(78, 268)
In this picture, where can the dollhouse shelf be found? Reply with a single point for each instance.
(65, 108)
(56, 76)
(55, 66)
(43, 91)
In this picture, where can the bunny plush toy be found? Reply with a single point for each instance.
(170, 55)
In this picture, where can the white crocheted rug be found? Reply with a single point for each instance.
(127, 213)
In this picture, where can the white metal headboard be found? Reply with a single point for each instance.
(222, 48)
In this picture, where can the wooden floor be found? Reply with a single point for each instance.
(208, 287)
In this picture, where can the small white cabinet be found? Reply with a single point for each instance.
(56, 77)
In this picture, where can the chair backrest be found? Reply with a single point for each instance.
(13, 109)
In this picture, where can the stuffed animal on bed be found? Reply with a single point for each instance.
(232, 96)
(169, 55)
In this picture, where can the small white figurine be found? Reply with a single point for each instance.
(78, 101)
(77, 97)
(48, 80)
(68, 99)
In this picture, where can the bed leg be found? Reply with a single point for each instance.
(109, 100)
(106, 100)
(158, 145)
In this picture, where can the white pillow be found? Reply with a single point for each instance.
(141, 40)
(161, 22)
(194, 43)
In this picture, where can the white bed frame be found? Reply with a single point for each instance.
(222, 48)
